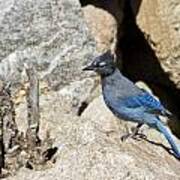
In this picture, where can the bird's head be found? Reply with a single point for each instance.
(103, 64)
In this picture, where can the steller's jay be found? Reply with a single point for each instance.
(129, 102)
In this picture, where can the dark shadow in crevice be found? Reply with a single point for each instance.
(82, 108)
(49, 153)
(111, 6)
(139, 59)
(87, 2)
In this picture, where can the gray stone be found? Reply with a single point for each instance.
(90, 148)
(50, 34)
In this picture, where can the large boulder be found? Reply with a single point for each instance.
(89, 147)
(51, 34)
(102, 26)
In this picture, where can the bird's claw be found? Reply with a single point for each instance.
(139, 136)
(135, 133)
(125, 137)
(136, 136)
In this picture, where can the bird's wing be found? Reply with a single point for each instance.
(147, 101)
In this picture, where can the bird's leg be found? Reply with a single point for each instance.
(133, 134)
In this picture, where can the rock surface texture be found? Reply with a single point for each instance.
(53, 35)
(161, 21)
(50, 34)
(89, 147)
(103, 27)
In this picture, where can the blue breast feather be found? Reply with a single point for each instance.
(147, 101)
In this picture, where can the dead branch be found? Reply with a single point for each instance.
(1, 137)
(8, 128)
(32, 105)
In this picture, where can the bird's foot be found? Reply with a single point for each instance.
(135, 134)
(125, 137)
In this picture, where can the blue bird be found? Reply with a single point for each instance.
(129, 102)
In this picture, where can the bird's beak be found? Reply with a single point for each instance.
(88, 68)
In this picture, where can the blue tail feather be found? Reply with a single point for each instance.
(164, 130)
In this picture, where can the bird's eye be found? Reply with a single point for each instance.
(101, 64)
